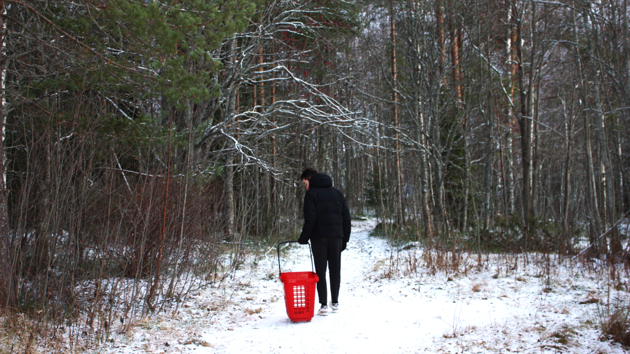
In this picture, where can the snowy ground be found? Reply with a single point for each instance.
(391, 302)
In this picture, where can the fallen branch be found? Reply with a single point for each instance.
(602, 235)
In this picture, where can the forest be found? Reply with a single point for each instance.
(145, 141)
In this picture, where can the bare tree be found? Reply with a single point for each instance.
(7, 290)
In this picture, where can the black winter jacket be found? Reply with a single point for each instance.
(326, 213)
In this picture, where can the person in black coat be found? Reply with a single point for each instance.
(327, 226)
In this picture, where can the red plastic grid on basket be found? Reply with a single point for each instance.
(299, 294)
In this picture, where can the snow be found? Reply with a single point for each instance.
(392, 301)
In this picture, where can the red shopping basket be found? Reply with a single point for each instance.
(299, 291)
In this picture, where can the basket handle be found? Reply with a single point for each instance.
(309, 247)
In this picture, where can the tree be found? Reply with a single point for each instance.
(7, 289)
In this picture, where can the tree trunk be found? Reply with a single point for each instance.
(510, 145)
(455, 59)
(607, 175)
(592, 201)
(229, 168)
(623, 202)
(536, 165)
(261, 87)
(625, 191)
(272, 182)
(525, 126)
(439, 19)
(503, 180)
(487, 184)
(467, 178)
(530, 116)
(7, 290)
(566, 181)
(398, 167)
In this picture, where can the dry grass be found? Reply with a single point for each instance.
(616, 324)
(457, 332)
(254, 311)
(21, 334)
(562, 335)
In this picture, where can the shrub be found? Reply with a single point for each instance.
(615, 323)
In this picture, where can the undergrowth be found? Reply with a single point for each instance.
(615, 322)
(506, 236)
(396, 234)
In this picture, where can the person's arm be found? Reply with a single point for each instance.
(310, 216)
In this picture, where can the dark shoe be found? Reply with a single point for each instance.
(323, 311)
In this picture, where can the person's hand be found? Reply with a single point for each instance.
(302, 242)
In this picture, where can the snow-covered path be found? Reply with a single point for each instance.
(368, 321)
(479, 312)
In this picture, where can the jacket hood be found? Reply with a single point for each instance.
(320, 180)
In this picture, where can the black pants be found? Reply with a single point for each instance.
(327, 251)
